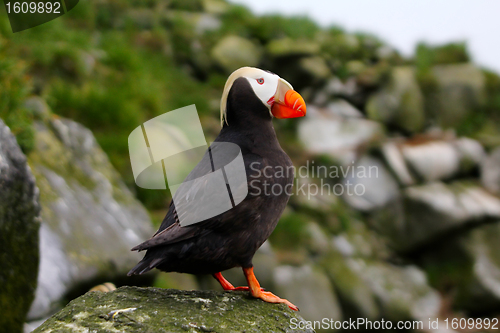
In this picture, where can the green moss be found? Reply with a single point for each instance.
(451, 53)
(15, 87)
(269, 27)
(290, 232)
(160, 310)
(483, 123)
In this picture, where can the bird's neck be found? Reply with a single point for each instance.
(252, 132)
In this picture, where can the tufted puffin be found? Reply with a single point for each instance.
(251, 98)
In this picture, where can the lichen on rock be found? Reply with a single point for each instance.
(134, 309)
(90, 219)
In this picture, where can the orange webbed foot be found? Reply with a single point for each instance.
(258, 292)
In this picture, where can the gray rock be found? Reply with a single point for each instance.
(361, 242)
(355, 294)
(233, 52)
(460, 89)
(400, 103)
(395, 159)
(90, 218)
(342, 108)
(316, 67)
(480, 291)
(368, 185)
(39, 107)
(471, 153)
(490, 172)
(434, 209)
(132, 309)
(309, 289)
(403, 292)
(369, 287)
(196, 22)
(19, 225)
(207, 22)
(335, 86)
(318, 240)
(432, 159)
(342, 138)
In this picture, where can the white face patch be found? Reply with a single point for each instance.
(264, 85)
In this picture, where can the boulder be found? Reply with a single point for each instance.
(395, 160)
(468, 263)
(233, 52)
(490, 172)
(460, 90)
(335, 86)
(315, 67)
(430, 159)
(369, 286)
(289, 47)
(308, 288)
(342, 138)
(400, 103)
(133, 309)
(369, 185)
(19, 227)
(343, 108)
(442, 159)
(435, 209)
(480, 288)
(90, 220)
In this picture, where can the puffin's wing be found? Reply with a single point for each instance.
(171, 230)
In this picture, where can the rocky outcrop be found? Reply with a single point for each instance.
(308, 288)
(233, 52)
(90, 220)
(132, 309)
(343, 137)
(490, 172)
(371, 287)
(460, 89)
(400, 103)
(19, 226)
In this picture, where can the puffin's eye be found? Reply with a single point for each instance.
(260, 81)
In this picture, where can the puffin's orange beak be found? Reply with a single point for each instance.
(287, 102)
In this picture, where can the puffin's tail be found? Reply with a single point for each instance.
(145, 265)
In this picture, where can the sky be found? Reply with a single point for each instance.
(404, 23)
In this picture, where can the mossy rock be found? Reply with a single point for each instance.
(19, 225)
(399, 104)
(90, 219)
(169, 310)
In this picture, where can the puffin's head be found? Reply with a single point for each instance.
(274, 92)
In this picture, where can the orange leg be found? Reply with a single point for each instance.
(257, 291)
(226, 285)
